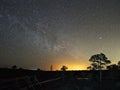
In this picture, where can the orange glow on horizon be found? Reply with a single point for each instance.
(71, 66)
(71, 63)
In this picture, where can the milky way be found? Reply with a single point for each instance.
(38, 33)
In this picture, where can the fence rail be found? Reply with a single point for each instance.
(23, 83)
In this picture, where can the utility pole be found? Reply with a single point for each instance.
(51, 68)
(100, 67)
(100, 72)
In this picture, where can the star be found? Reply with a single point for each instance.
(100, 38)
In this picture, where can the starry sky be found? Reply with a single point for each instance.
(40, 33)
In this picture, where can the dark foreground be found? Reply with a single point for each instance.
(81, 84)
(57, 80)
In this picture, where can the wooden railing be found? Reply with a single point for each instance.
(23, 83)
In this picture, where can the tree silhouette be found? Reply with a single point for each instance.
(64, 68)
(118, 65)
(89, 68)
(99, 61)
(112, 67)
(38, 69)
(14, 67)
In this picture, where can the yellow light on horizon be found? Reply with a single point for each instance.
(72, 64)
(71, 67)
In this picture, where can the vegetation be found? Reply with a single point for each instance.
(99, 61)
(14, 67)
(64, 68)
(114, 66)
(119, 65)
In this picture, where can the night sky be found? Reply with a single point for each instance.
(40, 33)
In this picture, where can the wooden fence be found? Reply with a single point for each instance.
(23, 83)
